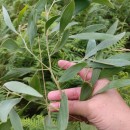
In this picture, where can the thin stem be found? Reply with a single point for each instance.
(43, 76)
(32, 53)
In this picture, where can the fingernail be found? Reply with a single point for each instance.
(54, 106)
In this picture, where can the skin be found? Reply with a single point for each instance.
(106, 111)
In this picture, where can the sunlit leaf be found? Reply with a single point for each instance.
(115, 84)
(105, 44)
(6, 106)
(71, 72)
(67, 15)
(19, 87)
(125, 56)
(63, 115)
(113, 28)
(86, 91)
(15, 120)
(94, 28)
(91, 36)
(8, 20)
(90, 46)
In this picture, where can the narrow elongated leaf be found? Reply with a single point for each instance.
(22, 13)
(48, 125)
(97, 65)
(81, 5)
(94, 28)
(86, 91)
(95, 76)
(109, 73)
(104, 2)
(17, 72)
(115, 84)
(6, 106)
(32, 26)
(90, 46)
(50, 22)
(63, 115)
(56, 28)
(15, 120)
(34, 16)
(105, 44)
(19, 87)
(114, 62)
(67, 15)
(8, 20)
(62, 42)
(91, 36)
(71, 72)
(113, 28)
(10, 45)
(35, 83)
(125, 56)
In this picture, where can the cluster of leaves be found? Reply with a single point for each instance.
(33, 56)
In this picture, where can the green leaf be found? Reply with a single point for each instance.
(97, 65)
(15, 120)
(50, 22)
(114, 62)
(81, 5)
(71, 72)
(115, 84)
(90, 46)
(125, 56)
(56, 28)
(94, 28)
(8, 20)
(10, 45)
(86, 91)
(48, 125)
(67, 16)
(109, 73)
(95, 76)
(32, 26)
(105, 2)
(63, 115)
(105, 44)
(22, 13)
(6, 106)
(17, 72)
(35, 83)
(113, 28)
(19, 87)
(33, 18)
(62, 42)
(91, 36)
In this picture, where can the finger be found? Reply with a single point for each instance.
(85, 73)
(76, 107)
(101, 83)
(72, 94)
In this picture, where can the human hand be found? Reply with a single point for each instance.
(106, 111)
